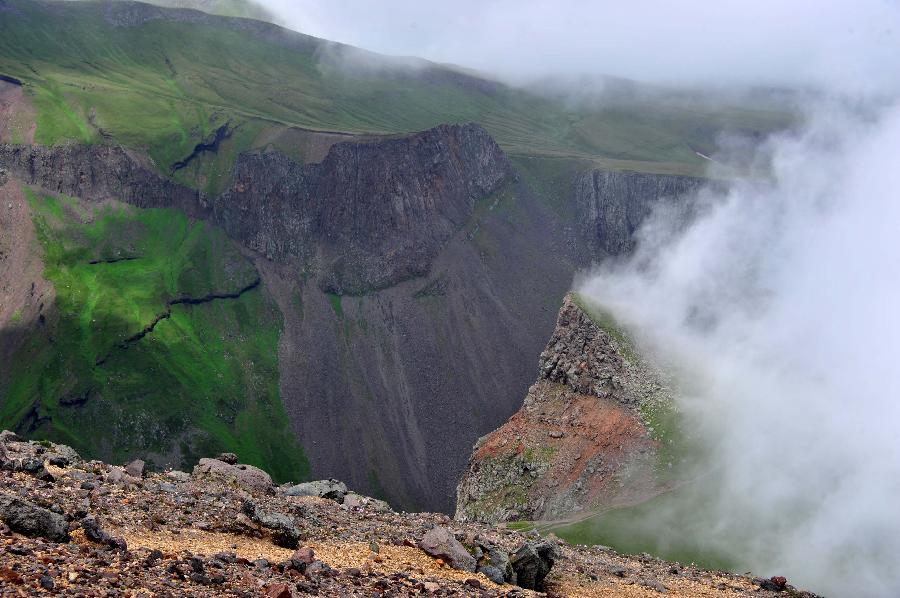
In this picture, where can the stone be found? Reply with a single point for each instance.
(31, 520)
(498, 559)
(330, 489)
(178, 476)
(278, 590)
(247, 476)
(94, 533)
(136, 468)
(229, 458)
(492, 573)
(285, 532)
(440, 543)
(352, 500)
(302, 558)
(532, 562)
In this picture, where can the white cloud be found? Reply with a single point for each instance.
(851, 45)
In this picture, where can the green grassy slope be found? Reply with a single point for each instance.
(164, 86)
(205, 379)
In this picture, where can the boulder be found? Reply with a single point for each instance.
(95, 533)
(247, 476)
(136, 468)
(440, 543)
(531, 563)
(285, 532)
(229, 458)
(492, 573)
(352, 500)
(29, 519)
(331, 489)
(498, 559)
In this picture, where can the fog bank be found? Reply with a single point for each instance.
(779, 307)
(829, 43)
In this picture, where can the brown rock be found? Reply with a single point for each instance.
(278, 590)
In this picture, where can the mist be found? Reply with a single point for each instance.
(820, 43)
(778, 308)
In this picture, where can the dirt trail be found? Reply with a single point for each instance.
(17, 124)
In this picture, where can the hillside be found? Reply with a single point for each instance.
(86, 527)
(165, 80)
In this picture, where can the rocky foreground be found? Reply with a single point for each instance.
(85, 528)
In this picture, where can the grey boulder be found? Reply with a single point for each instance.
(440, 543)
(247, 476)
(29, 519)
(531, 563)
(330, 489)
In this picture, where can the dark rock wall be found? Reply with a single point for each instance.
(98, 172)
(614, 203)
(372, 214)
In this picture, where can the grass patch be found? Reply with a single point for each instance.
(661, 526)
(204, 380)
(520, 526)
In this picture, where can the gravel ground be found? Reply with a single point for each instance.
(175, 534)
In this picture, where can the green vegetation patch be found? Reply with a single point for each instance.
(204, 377)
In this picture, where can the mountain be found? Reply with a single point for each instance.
(227, 236)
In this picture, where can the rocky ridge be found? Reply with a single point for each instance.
(579, 441)
(86, 528)
(371, 214)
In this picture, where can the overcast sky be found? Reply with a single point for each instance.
(847, 43)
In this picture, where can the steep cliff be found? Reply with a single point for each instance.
(614, 203)
(579, 441)
(98, 172)
(371, 213)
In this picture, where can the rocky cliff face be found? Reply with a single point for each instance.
(579, 440)
(98, 172)
(371, 214)
(614, 203)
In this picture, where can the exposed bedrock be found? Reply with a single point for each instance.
(371, 214)
(98, 172)
(613, 204)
